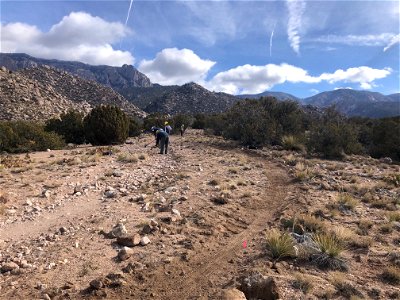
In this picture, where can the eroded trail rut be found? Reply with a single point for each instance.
(223, 198)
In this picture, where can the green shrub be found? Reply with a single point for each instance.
(199, 121)
(280, 245)
(25, 136)
(69, 125)
(106, 125)
(135, 128)
(155, 119)
(333, 137)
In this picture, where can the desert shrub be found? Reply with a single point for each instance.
(333, 137)
(106, 125)
(26, 136)
(135, 127)
(217, 123)
(385, 138)
(155, 119)
(69, 126)
(280, 245)
(179, 120)
(199, 121)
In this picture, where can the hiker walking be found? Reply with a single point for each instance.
(182, 130)
(162, 139)
(167, 128)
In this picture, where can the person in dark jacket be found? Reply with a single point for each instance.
(162, 140)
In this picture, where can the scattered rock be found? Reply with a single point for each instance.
(129, 241)
(125, 253)
(232, 294)
(257, 286)
(119, 230)
(176, 212)
(144, 241)
(9, 266)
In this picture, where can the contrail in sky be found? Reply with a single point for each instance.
(270, 41)
(129, 11)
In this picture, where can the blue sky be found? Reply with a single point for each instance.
(300, 47)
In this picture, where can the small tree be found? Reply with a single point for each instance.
(106, 125)
(69, 125)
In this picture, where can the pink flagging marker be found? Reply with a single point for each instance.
(244, 244)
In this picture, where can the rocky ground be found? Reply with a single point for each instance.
(128, 223)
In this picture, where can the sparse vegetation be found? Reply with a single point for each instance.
(346, 202)
(344, 288)
(127, 158)
(280, 244)
(303, 282)
(391, 275)
(290, 142)
(24, 136)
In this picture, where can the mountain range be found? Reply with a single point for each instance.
(44, 92)
(191, 98)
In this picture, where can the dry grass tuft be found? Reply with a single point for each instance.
(364, 225)
(127, 158)
(302, 172)
(344, 288)
(303, 282)
(280, 244)
(393, 216)
(346, 202)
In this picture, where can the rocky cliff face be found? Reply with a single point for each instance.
(191, 98)
(114, 77)
(44, 92)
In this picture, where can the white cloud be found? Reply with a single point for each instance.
(372, 40)
(256, 79)
(176, 66)
(365, 76)
(314, 91)
(296, 10)
(393, 41)
(343, 88)
(78, 36)
(248, 79)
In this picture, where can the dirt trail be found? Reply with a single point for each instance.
(190, 258)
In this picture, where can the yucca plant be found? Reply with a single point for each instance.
(280, 245)
(330, 248)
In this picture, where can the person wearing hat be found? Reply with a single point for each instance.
(167, 128)
(162, 139)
